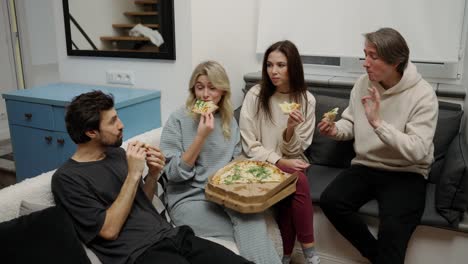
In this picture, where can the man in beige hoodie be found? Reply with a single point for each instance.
(392, 116)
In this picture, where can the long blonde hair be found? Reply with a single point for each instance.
(218, 77)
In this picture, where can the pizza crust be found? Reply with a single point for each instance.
(248, 195)
(330, 116)
(204, 107)
(287, 108)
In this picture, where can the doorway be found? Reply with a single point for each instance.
(11, 72)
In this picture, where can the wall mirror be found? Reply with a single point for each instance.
(120, 28)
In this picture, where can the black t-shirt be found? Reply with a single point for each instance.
(87, 189)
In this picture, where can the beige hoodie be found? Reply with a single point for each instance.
(263, 140)
(403, 142)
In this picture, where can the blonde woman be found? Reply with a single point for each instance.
(196, 146)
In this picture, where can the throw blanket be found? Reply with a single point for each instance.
(46, 236)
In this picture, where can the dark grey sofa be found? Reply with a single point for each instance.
(447, 188)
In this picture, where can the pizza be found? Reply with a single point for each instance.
(287, 108)
(204, 107)
(331, 115)
(248, 171)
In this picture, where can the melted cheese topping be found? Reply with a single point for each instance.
(289, 107)
(249, 172)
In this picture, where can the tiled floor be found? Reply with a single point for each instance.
(6, 178)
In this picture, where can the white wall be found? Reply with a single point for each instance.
(169, 77)
(210, 29)
(226, 31)
(227, 35)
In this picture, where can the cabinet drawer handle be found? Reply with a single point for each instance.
(28, 116)
(61, 141)
(48, 139)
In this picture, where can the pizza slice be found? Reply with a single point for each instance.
(287, 108)
(204, 107)
(331, 115)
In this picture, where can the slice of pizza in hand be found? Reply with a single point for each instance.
(287, 108)
(204, 107)
(331, 115)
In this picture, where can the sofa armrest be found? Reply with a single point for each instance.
(152, 137)
(35, 190)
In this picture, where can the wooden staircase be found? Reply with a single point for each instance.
(147, 16)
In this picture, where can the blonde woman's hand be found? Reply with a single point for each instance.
(206, 125)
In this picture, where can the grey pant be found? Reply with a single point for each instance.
(249, 231)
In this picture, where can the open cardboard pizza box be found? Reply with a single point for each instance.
(250, 197)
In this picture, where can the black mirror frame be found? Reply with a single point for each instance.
(168, 32)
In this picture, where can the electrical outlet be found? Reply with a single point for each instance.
(120, 77)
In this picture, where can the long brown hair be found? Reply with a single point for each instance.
(218, 77)
(297, 86)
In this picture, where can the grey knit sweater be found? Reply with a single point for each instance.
(186, 182)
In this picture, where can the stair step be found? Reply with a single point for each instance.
(132, 25)
(155, 49)
(146, 2)
(141, 13)
(123, 38)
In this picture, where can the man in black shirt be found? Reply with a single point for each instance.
(101, 188)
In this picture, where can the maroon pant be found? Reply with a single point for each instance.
(295, 214)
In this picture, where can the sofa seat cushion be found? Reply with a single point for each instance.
(319, 177)
(430, 216)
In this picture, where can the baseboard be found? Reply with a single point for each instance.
(330, 259)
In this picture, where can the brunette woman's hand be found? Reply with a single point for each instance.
(295, 118)
(295, 164)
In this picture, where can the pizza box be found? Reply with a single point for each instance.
(245, 206)
(250, 197)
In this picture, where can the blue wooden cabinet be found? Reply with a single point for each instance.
(37, 122)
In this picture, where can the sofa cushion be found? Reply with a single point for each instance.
(448, 125)
(324, 150)
(451, 192)
(430, 216)
(45, 236)
(319, 177)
